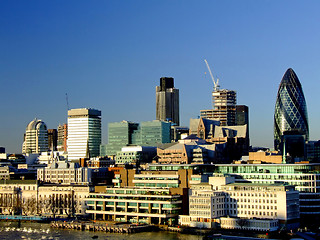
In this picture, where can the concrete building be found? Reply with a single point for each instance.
(136, 205)
(62, 137)
(36, 137)
(224, 107)
(84, 133)
(265, 157)
(305, 178)
(222, 197)
(135, 155)
(30, 198)
(167, 101)
(186, 151)
(65, 173)
(52, 139)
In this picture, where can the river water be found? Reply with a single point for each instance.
(10, 230)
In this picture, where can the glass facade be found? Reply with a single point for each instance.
(123, 133)
(290, 109)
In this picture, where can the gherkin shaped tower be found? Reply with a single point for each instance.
(290, 110)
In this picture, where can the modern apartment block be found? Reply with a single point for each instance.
(36, 137)
(84, 133)
(167, 101)
(224, 107)
(136, 205)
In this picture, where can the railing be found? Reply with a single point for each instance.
(21, 217)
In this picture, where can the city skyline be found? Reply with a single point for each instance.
(110, 56)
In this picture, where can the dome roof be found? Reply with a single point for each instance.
(36, 124)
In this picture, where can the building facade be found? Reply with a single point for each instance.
(290, 109)
(136, 205)
(149, 133)
(224, 107)
(167, 101)
(52, 139)
(84, 133)
(62, 137)
(36, 137)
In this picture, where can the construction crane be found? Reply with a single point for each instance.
(215, 83)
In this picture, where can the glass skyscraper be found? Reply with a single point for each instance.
(290, 110)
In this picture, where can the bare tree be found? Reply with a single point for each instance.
(29, 206)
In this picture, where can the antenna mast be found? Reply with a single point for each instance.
(67, 101)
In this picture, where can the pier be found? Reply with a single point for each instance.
(101, 226)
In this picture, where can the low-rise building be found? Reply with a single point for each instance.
(221, 197)
(143, 205)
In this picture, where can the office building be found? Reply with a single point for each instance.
(62, 137)
(290, 110)
(36, 137)
(52, 139)
(224, 107)
(84, 133)
(121, 134)
(167, 101)
(305, 178)
(135, 205)
(257, 203)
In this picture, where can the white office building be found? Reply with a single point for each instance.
(36, 137)
(84, 133)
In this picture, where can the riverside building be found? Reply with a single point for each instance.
(84, 133)
(263, 206)
(130, 204)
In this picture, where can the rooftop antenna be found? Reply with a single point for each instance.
(215, 83)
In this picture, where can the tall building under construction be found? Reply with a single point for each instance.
(167, 101)
(224, 107)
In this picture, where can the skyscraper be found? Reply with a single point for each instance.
(52, 139)
(290, 110)
(84, 133)
(62, 137)
(167, 101)
(224, 107)
(36, 137)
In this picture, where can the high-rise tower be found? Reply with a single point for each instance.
(84, 133)
(290, 116)
(167, 101)
(36, 137)
(224, 107)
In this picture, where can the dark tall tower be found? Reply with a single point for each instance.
(290, 111)
(167, 101)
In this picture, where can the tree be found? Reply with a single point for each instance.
(29, 206)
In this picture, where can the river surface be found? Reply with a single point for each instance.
(10, 230)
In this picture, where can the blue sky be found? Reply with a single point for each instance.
(110, 55)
